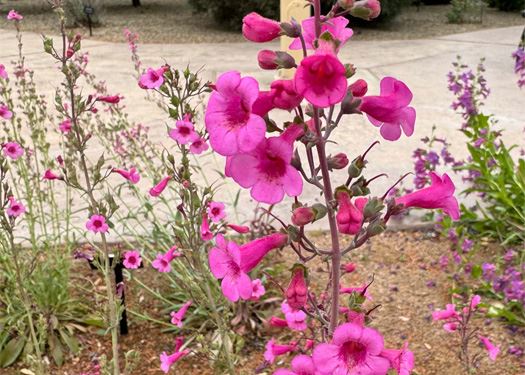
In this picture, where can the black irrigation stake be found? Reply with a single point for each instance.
(88, 11)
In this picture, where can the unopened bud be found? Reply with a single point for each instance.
(366, 9)
(338, 161)
(291, 29)
(303, 215)
(297, 292)
(345, 4)
(70, 52)
(349, 70)
(271, 60)
(376, 227)
(355, 169)
(373, 207)
(358, 88)
(320, 210)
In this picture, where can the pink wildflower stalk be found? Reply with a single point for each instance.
(178, 316)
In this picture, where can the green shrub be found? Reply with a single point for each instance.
(465, 11)
(507, 5)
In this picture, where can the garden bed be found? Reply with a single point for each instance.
(405, 268)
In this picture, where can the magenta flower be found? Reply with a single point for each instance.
(15, 208)
(162, 262)
(353, 350)
(267, 169)
(439, 195)
(254, 251)
(349, 215)
(178, 316)
(157, 190)
(3, 72)
(184, 132)
(448, 313)
(297, 291)
(216, 211)
(131, 175)
(274, 350)
(277, 322)
(5, 113)
(50, 175)
(390, 109)
(14, 16)
(166, 361)
(241, 229)
(65, 126)
(492, 349)
(97, 224)
(132, 260)
(335, 26)
(198, 146)
(284, 95)
(232, 126)
(295, 319)
(263, 104)
(301, 365)
(225, 264)
(110, 99)
(206, 234)
(258, 289)
(152, 79)
(259, 29)
(400, 360)
(321, 79)
(302, 216)
(12, 150)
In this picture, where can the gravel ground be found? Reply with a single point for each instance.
(172, 21)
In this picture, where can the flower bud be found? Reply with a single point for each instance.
(350, 105)
(373, 207)
(358, 88)
(302, 216)
(345, 4)
(355, 169)
(320, 210)
(259, 29)
(349, 70)
(297, 291)
(366, 9)
(376, 227)
(70, 52)
(291, 29)
(277, 322)
(349, 267)
(271, 60)
(338, 161)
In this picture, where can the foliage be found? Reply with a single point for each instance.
(507, 5)
(76, 15)
(466, 11)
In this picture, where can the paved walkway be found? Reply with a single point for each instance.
(422, 64)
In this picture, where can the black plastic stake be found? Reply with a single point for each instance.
(88, 11)
(119, 278)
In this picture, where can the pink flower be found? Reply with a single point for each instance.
(166, 361)
(349, 215)
(178, 316)
(97, 224)
(284, 95)
(241, 229)
(3, 72)
(206, 234)
(110, 99)
(492, 349)
(450, 327)
(321, 79)
(448, 313)
(266, 170)
(259, 29)
(15, 208)
(263, 104)
(301, 365)
(131, 175)
(253, 252)
(184, 132)
(157, 190)
(274, 350)
(216, 211)
(225, 264)
(295, 319)
(14, 16)
(439, 195)
(335, 26)
(132, 260)
(50, 175)
(198, 146)
(229, 119)
(401, 360)
(349, 267)
(390, 109)
(5, 113)
(152, 79)
(271, 60)
(65, 126)
(362, 290)
(13, 150)
(162, 262)
(302, 216)
(258, 289)
(277, 322)
(353, 350)
(297, 291)
(359, 88)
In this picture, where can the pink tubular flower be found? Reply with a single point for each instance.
(97, 224)
(132, 260)
(162, 262)
(157, 190)
(274, 350)
(349, 267)
(400, 360)
(166, 361)
(353, 350)
(335, 26)
(152, 79)
(15, 208)
(229, 119)
(253, 252)
(5, 113)
(65, 126)
(492, 349)
(178, 316)
(474, 302)
(50, 175)
(216, 211)
(225, 264)
(301, 365)
(284, 95)
(259, 29)
(199, 146)
(131, 175)
(390, 109)
(359, 88)
(439, 195)
(297, 291)
(295, 319)
(14, 16)
(241, 229)
(267, 169)
(448, 313)
(258, 290)
(13, 150)
(183, 132)
(3, 72)
(349, 215)
(321, 79)
(263, 104)
(206, 234)
(277, 322)
(110, 99)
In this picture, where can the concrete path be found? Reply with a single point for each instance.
(422, 64)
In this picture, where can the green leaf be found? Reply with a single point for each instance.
(12, 351)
